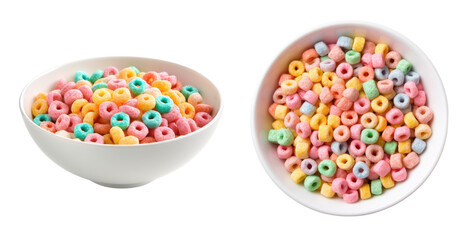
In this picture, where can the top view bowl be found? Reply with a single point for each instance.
(437, 101)
(120, 166)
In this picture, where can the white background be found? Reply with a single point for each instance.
(223, 192)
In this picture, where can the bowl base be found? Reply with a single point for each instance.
(111, 185)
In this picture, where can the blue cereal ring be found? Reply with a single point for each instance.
(188, 90)
(121, 120)
(137, 86)
(81, 76)
(81, 130)
(152, 119)
(361, 170)
(42, 118)
(163, 104)
(96, 75)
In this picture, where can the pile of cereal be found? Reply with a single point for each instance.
(121, 107)
(350, 119)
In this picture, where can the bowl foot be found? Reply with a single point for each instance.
(111, 185)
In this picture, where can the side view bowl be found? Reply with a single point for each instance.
(261, 121)
(124, 165)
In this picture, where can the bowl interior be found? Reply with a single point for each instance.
(46, 82)
(436, 101)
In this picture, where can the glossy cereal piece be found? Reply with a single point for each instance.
(163, 134)
(423, 131)
(345, 162)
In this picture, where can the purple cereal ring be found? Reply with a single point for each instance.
(56, 109)
(95, 138)
(163, 133)
(284, 152)
(72, 95)
(110, 71)
(328, 65)
(62, 122)
(309, 166)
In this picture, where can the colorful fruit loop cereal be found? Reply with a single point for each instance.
(350, 118)
(121, 107)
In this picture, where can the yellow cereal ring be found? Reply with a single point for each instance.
(382, 124)
(423, 131)
(281, 111)
(410, 120)
(90, 118)
(323, 109)
(305, 118)
(317, 88)
(83, 83)
(78, 105)
(41, 95)
(317, 120)
(301, 140)
(121, 96)
(369, 120)
(365, 192)
(328, 79)
(382, 48)
(325, 133)
(174, 96)
(333, 121)
(128, 140)
(390, 95)
(387, 181)
(145, 102)
(298, 175)
(89, 107)
(380, 104)
(116, 134)
(302, 150)
(187, 110)
(296, 68)
(101, 95)
(278, 124)
(404, 147)
(315, 74)
(127, 74)
(358, 43)
(39, 107)
(354, 82)
(345, 161)
(326, 190)
(162, 85)
(289, 87)
(108, 139)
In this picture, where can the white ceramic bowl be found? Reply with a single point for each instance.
(436, 101)
(113, 165)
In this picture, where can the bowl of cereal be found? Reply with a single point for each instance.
(343, 119)
(121, 121)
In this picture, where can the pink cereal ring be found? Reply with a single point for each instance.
(423, 114)
(131, 111)
(388, 133)
(292, 163)
(377, 60)
(303, 129)
(116, 83)
(341, 133)
(339, 185)
(344, 104)
(344, 71)
(192, 123)
(394, 116)
(381, 168)
(362, 105)
(305, 84)
(60, 84)
(279, 97)
(357, 148)
(411, 160)
(392, 59)
(204, 108)
(107, 109)
(326, 96)
(53, 96)
(310, 97)
(313, 64)
(402, 133)
(173, 115)
(284, 77)
(284, 152)
(315, 140)
(291, 120)
(86, 92)
(151, 76)
(68, 86)
(183, 126)
(62, 122)
(355, 131)
(163, 124)
(56, 109)
(410, 89)
(74, 120)
(131, 102)
(353, 182)
(420, 99)
(95, 138)
(374, 153)
(350, 196)
(163, 133)
(147, 140)
(336, 54)
(327, 179)
(351, 94)
(202, 119)
(385, 86)
(337, 90)
(323, 152)
(309, 55)
(138, 129)
(363, 159)
(110, 71)
(293, 101)
(334, 110)
(395, 161)
(399, 175)
(313, 152)
(349, 118)
(366, 59)
(72, 95)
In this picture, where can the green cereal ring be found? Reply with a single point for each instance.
(327, 168)
(81, 130)
(312, 182)
(42, 118)
(323, 58)
(81, 76)
(99, 85)
(285, 137)
(188, 90)
(369, 136)
(273, 135)
(376, 187)
(352, 57)
(370, 89)
(404, 65)
(121, 120)
(135, 70)
(96, 75)
(390, 147)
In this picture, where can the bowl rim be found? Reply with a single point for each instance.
(180, 138)
(350, 24)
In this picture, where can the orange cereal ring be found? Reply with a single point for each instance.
(129, 140)
(90, 118)
(121, 96)
(204, 108)
(366, 73)
(89, 107)
(102, 128)
(187, 110)
(108, 139)
(195, 99)
(83, 83)
(49, 126)
(162, 85)
(41, 95)
(78, 105)
(151, 76)
(127, 74)
(172, 94)
(39, 107)
(296, 68)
